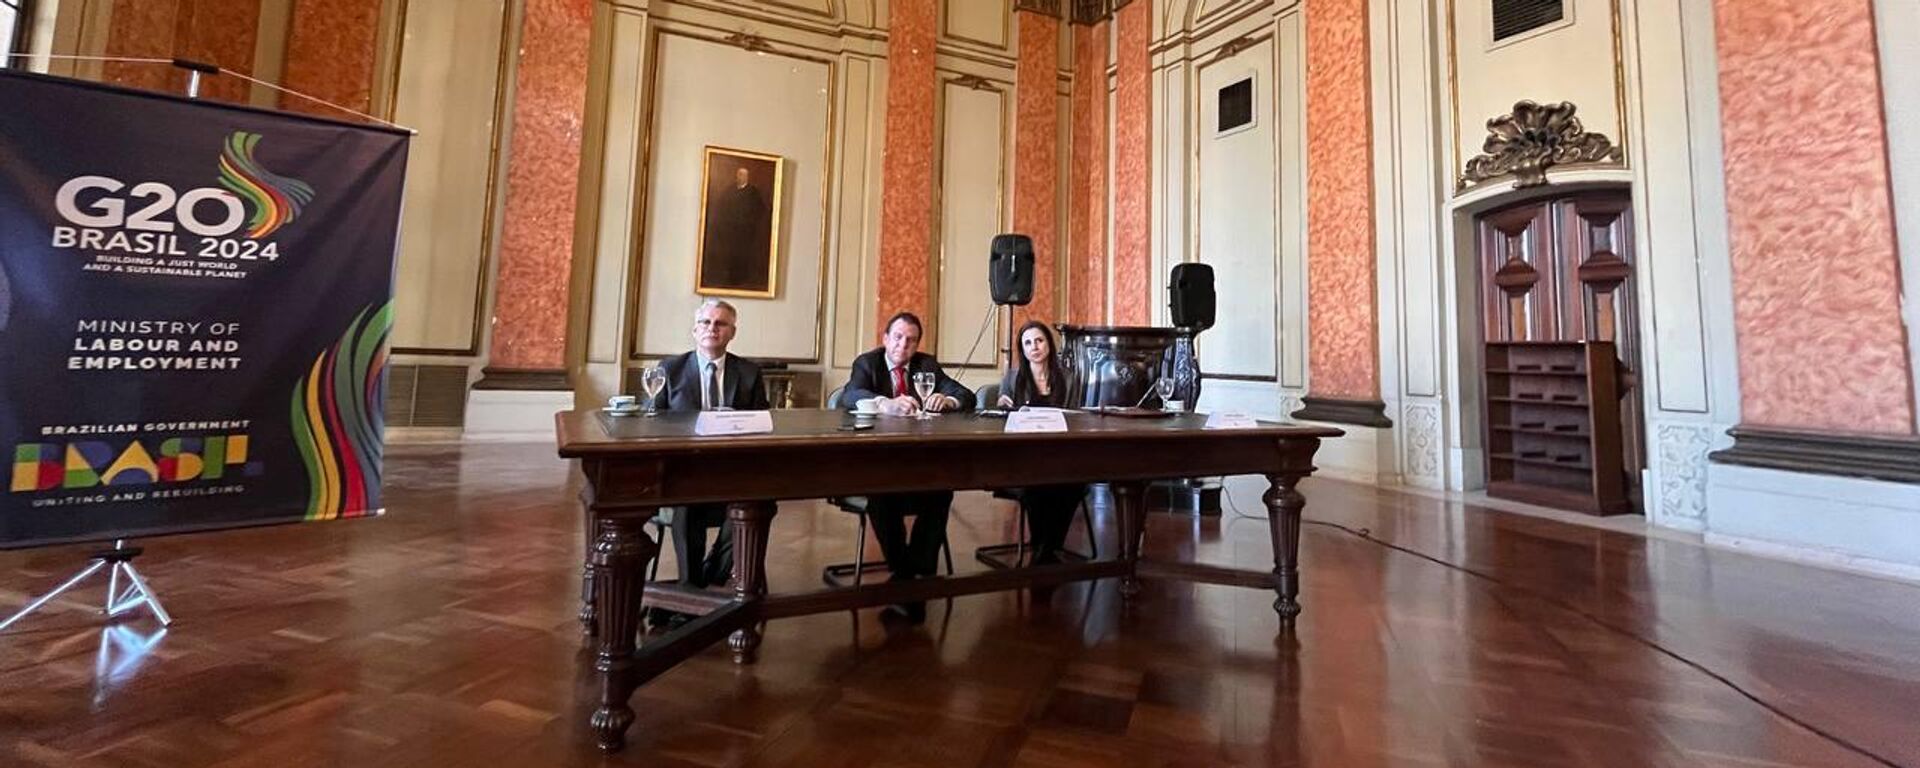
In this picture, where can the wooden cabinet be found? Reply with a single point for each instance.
(1553, 425)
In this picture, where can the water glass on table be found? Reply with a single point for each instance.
(923, 383)
(652, 380)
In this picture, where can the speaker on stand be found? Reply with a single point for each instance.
(1010, 279)
(1190, 303)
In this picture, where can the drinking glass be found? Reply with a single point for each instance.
(923, 382)
(1163, 387)
(653, 379)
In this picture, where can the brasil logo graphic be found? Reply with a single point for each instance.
(276, 200)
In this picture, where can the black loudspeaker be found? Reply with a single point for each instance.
(1010, 271)
(1190, 296)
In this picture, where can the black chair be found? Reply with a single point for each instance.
(994, 555)
(662, 525)
(851, 574)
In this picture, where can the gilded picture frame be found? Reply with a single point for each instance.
(740, 220)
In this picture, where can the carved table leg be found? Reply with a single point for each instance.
(1130, 504)
(1284, 505)
(619, 557)
(750, 521)
(587, 622)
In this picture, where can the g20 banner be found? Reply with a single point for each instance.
(194, 306)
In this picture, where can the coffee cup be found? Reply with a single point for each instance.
(623, 402)
(867, 406)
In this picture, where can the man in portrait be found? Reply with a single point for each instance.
(736, 247)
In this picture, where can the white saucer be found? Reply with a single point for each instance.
(612, 411)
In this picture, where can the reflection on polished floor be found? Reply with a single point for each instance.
(445, 634)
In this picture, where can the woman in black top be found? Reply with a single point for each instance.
(1038, 380)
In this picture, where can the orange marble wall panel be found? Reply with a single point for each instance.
(220, 32)
(143, 29)
(1036, 188)
(536, 243)
(1132, 166)
(1815, 270)
(1342, 322)
(906, 208)
(330, 52)
(1087, 201)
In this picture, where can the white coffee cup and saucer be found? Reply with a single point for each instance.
(622, 405)
(867, 408)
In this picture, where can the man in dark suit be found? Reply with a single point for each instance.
(886, 374)
(709, 379)
(737, 244)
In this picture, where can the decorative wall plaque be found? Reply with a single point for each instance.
(1533, 138)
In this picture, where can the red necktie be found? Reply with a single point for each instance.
(899, 380)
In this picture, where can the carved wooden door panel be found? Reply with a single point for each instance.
(1563, 269)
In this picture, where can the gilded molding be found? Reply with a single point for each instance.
(1048, 7)
(1531, 139)
(1091, 11)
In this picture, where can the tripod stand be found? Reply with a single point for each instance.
(120, 560)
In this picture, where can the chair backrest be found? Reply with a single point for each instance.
(987, 396)
(833, 398)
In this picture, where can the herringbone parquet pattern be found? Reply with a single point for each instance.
(444, 635)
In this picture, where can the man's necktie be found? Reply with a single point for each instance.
(713, 387)
(899, 380)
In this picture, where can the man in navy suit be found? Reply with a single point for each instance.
(709, 379)
(886, 373)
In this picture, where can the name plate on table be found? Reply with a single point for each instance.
(733, 423)
(1043, 420)
(1231, 420)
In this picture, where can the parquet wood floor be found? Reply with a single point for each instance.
(444, 635)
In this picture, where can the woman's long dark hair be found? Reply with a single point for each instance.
(1023, 386)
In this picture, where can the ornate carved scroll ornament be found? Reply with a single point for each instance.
(749, 41)
(1533, 138)
(975, 82)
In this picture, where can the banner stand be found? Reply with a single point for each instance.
(119, 601)
(119, 560)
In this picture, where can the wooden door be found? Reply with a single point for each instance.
(1563, 269)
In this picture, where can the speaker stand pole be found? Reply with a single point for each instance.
(1011, 346)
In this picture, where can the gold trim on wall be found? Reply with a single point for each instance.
(495, 197)
(937, 265)
(773, 225)
(1268, 34)
(944, 29)
(1213, 25)
(637, 250)
(832, 11)
(1620, 83)
(389, 51)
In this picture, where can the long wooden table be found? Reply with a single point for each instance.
(636, 465)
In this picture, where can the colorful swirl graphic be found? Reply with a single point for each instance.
(276, 200)
(337, 419)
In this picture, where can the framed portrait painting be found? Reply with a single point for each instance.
(739, 224)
